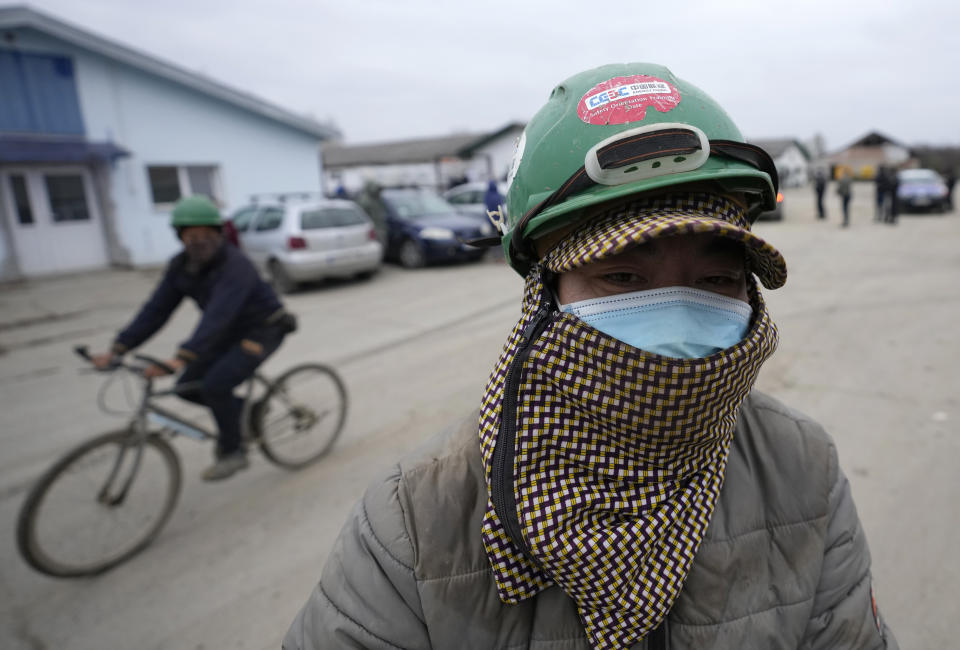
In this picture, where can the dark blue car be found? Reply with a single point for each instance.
(423, 228)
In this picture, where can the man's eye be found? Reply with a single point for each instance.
(719, 280)
(622, 277)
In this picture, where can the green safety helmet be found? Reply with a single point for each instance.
(619, 130)
(195, 211)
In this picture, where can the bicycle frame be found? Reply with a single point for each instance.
(170, 422)
(179, 425)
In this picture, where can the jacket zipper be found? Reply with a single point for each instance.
(657, 640)
(502, 479)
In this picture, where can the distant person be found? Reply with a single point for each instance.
(950, 179)
(243, 323)
(882, 183)
(893, 206)
(845, 192)
(492, 199)
(341, 192)
(820, 186)
(621, 484)
(370, 200)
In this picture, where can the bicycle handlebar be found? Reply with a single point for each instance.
(84, 352)
(156, 362)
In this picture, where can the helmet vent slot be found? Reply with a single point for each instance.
(645, 152)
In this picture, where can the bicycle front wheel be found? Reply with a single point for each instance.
(301, 415)
(99, 505)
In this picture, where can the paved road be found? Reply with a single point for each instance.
(868, 348)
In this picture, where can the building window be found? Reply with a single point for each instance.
(68, 197)
(164, 184)
(39, 94)
(170, 183)
(21, 200)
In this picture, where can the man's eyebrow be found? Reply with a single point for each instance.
(722, 246)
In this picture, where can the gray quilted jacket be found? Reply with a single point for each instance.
(784, 563)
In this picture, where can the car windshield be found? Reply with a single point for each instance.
(919, 176)
(331, 218)
(417, 205)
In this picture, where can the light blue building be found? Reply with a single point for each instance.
(98, 140)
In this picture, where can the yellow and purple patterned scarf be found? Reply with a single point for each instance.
(618, 461)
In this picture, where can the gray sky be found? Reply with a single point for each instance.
(393, 69)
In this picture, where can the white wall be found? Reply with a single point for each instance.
(419, 174)
(895, 154)
(793, 167)
(500, 152)
(163, 123)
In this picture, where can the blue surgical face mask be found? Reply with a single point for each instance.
(675, 322)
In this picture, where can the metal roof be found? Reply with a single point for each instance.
(20, 16)
(777, 146)
(418, 150)
(874, 139)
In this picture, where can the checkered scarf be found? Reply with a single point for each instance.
(619, 460)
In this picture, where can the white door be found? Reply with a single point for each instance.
(54, 218)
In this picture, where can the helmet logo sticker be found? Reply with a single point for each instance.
(625, 99)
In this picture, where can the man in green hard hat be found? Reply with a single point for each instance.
(243, 323)
(622, 485)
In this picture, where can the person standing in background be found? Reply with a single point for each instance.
(893, 207)
(882, 185)
(950, 179)
(820, 185)
(492, 199)
(845, 192)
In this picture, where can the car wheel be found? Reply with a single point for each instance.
(280, 279)
(411, 255)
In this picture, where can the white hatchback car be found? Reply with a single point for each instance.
(296, 239)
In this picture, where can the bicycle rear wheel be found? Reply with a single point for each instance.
(99, 505)
(301, 415)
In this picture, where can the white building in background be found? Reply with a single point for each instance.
(865, 156)
(98, 140)
(790, 157)
(424, 162)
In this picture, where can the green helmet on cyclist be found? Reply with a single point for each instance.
(195, 211)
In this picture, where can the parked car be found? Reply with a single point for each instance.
(421, 227)
(921, 190)
(467, 198)
(773, 215)
(296, 239)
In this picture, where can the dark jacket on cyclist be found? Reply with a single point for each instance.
(232, 295)
(243, 323)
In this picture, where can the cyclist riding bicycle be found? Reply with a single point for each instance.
(243, 323)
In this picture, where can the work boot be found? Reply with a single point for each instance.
(226, 466)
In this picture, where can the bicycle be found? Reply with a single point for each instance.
(106, 499)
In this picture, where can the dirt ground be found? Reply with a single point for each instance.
(867, 348)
